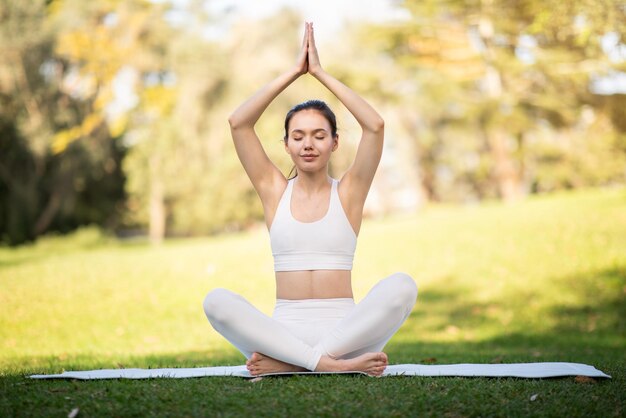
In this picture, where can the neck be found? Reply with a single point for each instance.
(313, 182)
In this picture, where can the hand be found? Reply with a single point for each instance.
(313, 58)
(302, 64)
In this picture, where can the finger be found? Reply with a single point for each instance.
(311, 35)
(308, 32)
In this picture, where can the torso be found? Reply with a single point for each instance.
(312, 284)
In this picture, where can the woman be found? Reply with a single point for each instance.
(313, 222)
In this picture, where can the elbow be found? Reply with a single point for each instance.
(237, 120)
(377, 126)
(234, 121)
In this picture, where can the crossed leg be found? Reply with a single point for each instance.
(354, 344)
(250, 330)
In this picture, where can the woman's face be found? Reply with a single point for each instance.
(310, 142)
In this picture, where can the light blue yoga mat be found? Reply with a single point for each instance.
(523, 370)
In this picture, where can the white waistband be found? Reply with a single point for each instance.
(312, 310)
(313, 301)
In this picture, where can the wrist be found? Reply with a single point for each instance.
(317, 72)
(295, 72)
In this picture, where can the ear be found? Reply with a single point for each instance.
(336, 142)
(286, 146)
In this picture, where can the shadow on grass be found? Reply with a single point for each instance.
(596, 308)
(16, 260)
(56, 246)
(591, 329)
(604, 310)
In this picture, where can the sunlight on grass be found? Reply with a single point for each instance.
(553, 267)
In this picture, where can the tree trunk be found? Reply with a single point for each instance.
(48, 214)
(156, 208)
(60, 190)
(506, 174)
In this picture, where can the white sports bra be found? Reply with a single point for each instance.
(325, 244)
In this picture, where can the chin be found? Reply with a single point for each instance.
(309, 169)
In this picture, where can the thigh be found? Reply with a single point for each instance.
(374, 320)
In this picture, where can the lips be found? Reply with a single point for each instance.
(309, 157)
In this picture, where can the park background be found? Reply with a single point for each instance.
(501, 191)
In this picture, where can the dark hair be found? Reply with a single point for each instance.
(318, 105)
(314, 104)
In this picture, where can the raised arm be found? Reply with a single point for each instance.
(265, 176)
(359, 176)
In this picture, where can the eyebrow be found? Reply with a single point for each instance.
(300, 131)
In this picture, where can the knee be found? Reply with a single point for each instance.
(216, 305)
(405, 289)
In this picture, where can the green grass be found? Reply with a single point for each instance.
(539, 280)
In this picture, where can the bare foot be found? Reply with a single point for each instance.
(373, 364)
(262, 364)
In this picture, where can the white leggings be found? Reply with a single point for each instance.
(301, 331)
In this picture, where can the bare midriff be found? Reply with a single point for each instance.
(313, 284)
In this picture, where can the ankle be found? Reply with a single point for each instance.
(327, 364)
(340, 365)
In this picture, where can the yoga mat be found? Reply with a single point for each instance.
(524, 370)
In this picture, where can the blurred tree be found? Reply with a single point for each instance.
(481, 79)
(115, 112)
(44, 186)
(130, 61)
(181, 164)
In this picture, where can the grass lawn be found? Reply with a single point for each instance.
(539, 280)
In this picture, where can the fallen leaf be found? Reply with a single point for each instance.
(534, 397)
(73, 413)
(497, 360)
(429, 360)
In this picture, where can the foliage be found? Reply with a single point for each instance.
(114, 112)
(50, 181)
(505, 89)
